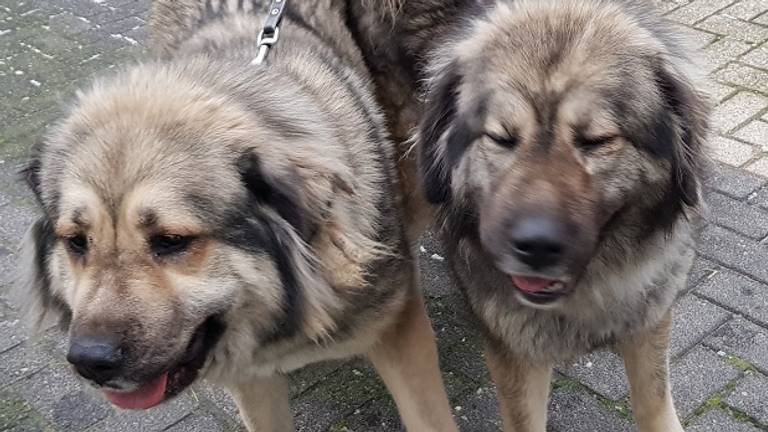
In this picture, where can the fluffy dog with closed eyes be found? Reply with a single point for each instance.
(203, 216)
(561, 142)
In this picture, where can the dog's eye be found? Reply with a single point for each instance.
(507, 142)
(169, 244)
(77, 244)
(590, 144)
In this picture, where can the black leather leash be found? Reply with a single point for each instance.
(270, 32)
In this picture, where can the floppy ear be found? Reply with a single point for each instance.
(33, 289)
(690, 110)
(279, 194)
(30, 174)
(433, 138)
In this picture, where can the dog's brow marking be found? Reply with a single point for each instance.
(79, 219)
(148, 218)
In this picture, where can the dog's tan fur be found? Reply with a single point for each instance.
(524, 70)
(283, 179)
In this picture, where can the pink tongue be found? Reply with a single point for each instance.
(531, 284)
(147, 396)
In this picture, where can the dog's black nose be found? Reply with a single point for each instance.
(538, 241)
(98, 359)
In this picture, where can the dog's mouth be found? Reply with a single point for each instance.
(175, 379)
(540, 291)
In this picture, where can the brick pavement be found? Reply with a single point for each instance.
(720, 342)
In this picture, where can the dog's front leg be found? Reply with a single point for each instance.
(523, 390)
(646, 359)
(406, 359)
(264, 403)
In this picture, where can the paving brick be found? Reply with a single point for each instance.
(68, 24)
(14, 221)
(762, 19)
(7, 266)
(480, 411)
(340, 394)
(749, 397)
(759, 198)
(700, 38)
(56, 394)
(114, 14)
(756, 132)
(693, 320)
(746, 9)
(727, 25)
(697, 376)
(12, 333)
(734, 250)
(738, 216)
(697, 10)
(716, 90)
(759, 167)
(219, 397)
(21, 362)
(739, 293)
(574, 410)
(11, 185)
(731, 181)
(719, 421)
(601, 371)
(744, 76)
(724, 51)
(17, 416)
(379, 415)
(83, 8)
(157, 419)
(665, 6)
(731, 151)
(757, 57)
(737, 110)
(743, 339)
(701, 269)
(124, 25)
(434, 267)
(198, 422)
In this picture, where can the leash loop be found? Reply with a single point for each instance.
(270, 32)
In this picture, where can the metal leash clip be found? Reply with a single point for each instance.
(270, 33)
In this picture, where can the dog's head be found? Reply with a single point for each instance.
(557, 124)
(169, 213)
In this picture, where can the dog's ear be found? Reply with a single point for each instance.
(277, 193)
(30, 174)
(439, 137)
(678, 134)
(690, 110)
(33, 290)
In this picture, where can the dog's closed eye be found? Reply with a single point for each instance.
(589, 144)
(508, 142)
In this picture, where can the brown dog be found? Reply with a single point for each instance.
(206, 217)
(561, 141)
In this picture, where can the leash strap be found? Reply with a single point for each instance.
(270, 32)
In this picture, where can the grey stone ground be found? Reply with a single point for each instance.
(720, 345)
